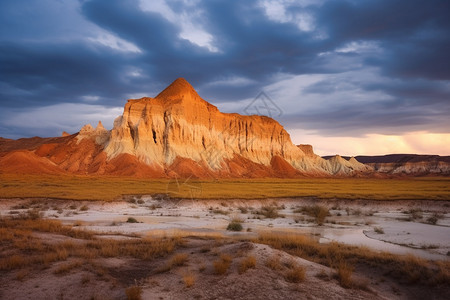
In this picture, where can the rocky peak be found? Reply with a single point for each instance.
(86, 129)
(100, 127)
(178, 123)
(179, 89)
(100, 135)
(307, 149)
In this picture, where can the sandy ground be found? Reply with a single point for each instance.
(107, 278)
(395, 226)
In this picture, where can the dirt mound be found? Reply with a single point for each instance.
(129, 165)
(282, 168)
(26, 162)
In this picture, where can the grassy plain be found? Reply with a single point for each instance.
(112, 188)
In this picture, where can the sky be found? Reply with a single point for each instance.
(350, 77)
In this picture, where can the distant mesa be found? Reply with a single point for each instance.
(405, 164)
(177, 134)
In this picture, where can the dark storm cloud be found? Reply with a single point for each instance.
(54, 73)
(249, 44)
(414, 33)
(48, 55)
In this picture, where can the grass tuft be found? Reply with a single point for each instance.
(222, 264)
(134, 293)
(344, 275)
(247, 263)
(179, 259)
(295, 274)
(189, 279)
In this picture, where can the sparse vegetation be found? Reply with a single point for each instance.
(220, 211)
(110, 188)
(274, 263)
(434, 218)
(344, 274)
(295, 274)
(247, 263)
(235, 224)
(379, 230)
(65, 268)
(132, 220)
(270, 212)
(415, 214)
(222, 264)
(189, 279)
(243, 209)
(317, 211)
(178, 260)
(27, 250)
(134, 292)
(336, 255)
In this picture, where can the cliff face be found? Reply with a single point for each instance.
(178, 123)
(177, 133)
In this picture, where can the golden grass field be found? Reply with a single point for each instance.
(112, 188)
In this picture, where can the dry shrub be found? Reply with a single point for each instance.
(270, 212)
(202, 268)
(243, 209)
(413, 267)
(317, 211)
(323, 275)
(443, 273)
(234, 226)
(43, 225)
(21, 274)
(295, 274)
(66, 268)
(274, 263)
(222, 264)
(134, 293)
(379, 230)
(344, 274)
(178, 260)
(247, 263)
(189, 279)
(13, 262)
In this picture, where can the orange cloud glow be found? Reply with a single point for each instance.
(376, 144)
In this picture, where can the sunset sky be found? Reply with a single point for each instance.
(351, 77)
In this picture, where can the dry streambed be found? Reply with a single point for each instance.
(421, 228)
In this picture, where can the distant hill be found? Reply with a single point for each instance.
(412, 164)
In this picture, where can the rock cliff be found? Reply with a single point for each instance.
(177, 133)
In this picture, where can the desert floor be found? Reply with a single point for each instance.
(416, 232)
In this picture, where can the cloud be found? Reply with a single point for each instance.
(54, 119)
(418, 142)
